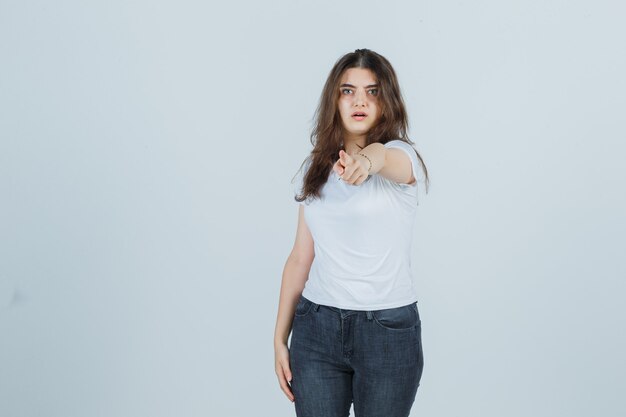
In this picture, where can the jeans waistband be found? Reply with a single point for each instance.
(343, 312)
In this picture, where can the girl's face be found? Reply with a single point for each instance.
(358, 102)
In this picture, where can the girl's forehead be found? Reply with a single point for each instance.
(358, 76)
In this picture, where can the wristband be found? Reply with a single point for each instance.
(370, 161)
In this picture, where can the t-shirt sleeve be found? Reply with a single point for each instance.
(416, 165)
(408, 192)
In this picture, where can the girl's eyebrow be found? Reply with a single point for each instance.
(351, 86)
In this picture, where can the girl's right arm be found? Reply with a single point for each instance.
(295, 275)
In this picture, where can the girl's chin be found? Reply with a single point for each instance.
(358, 129)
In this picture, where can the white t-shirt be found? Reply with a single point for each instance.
(362, 240)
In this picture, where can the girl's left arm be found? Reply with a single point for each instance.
(391, 163)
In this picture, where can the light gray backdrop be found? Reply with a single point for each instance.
(146, 154)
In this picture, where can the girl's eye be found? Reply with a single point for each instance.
(373, 91)
(346, 91)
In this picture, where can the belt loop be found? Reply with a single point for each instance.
(369, 314)
(316, 306)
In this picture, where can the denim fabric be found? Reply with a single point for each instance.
(372, 358)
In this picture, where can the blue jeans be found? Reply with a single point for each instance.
(372, 358)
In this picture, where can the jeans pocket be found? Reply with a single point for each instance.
(399, 318)
(303, 307)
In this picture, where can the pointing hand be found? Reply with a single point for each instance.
(351, 169)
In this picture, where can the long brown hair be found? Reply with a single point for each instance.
(326, 136)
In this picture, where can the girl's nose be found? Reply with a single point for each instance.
(359, 98)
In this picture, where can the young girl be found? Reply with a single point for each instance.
(347, 294)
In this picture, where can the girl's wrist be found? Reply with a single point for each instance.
(365, 161)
